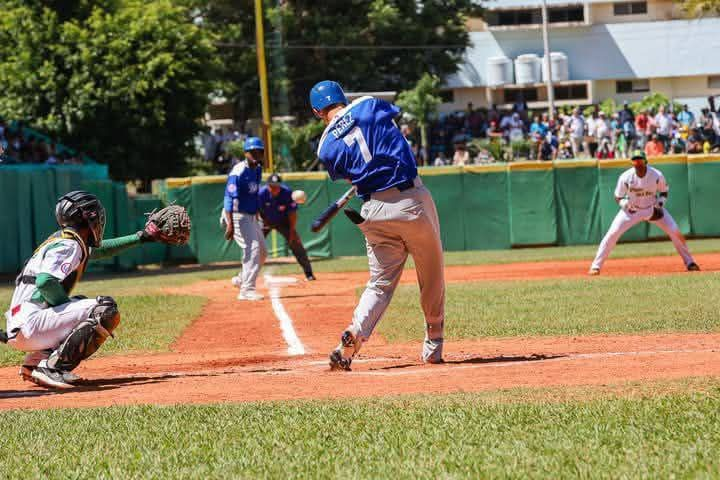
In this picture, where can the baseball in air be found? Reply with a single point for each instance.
(299, 196)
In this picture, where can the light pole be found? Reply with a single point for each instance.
(262, 75)
(548, 80)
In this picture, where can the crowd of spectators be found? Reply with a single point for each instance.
(521, 133)
(20, 145)
(215, 148)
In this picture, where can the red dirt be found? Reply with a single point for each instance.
(235, 351)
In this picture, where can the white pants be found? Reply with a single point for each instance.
(39, 331)
(249, 236)
(397, 224)
(624, 221)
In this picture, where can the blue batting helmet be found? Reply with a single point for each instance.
(326, 93)
(253, 143)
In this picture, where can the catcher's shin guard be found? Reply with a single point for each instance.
(88, 336)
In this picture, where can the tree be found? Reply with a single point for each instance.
(126, 80)
(369, 45)
(698, 8)
(421, 102)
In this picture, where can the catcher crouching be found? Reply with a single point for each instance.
(58, 331)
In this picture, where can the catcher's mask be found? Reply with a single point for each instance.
(79, 209)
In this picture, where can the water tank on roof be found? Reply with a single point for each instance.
(559, 63)
(499, 71)
(527, 69)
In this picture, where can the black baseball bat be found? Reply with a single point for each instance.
(332, 210)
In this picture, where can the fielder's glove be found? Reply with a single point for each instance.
(657, 214)
(170, 225)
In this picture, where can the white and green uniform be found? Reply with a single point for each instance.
(641, 194)
(38, 325)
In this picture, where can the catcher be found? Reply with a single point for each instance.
(641, 192)
(58, 331)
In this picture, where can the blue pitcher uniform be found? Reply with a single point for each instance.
(241, 200)
(363, 145)
(275, 213)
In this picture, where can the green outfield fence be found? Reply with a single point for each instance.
(481, 207)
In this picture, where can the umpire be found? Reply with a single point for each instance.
(278, 211)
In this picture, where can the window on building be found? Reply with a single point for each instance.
(513, 95)
(632, 86)
(447, 96)
(502, 18)
(630, 8)
(571, 92)
(566, 14)
(533, 16)
(714, 81)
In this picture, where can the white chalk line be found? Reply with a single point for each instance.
(295, 346)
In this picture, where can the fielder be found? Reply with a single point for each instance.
(641, 192)
(363, 145)
(58, 331)
(278, 211)
(239, 216)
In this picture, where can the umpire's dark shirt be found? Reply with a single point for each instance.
(275, 210)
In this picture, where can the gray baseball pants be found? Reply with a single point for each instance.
(397, 224)
(249, 235)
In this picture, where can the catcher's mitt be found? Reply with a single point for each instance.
(657, 214)
(169, 225)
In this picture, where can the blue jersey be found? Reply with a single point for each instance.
(241, 191)
(275, 210)
(363, 144)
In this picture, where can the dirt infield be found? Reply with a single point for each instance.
(239, 351)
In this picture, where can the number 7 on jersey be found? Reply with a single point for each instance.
(356, 135)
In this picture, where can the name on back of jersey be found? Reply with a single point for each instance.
(343, 125)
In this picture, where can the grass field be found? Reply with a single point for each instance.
(564, 307)
(645, 430)
(506, 434)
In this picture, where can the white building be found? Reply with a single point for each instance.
(618, 49)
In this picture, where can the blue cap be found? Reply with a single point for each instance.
(326, 93)
(253, 143)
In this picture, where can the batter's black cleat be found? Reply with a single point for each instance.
(337, 362)
(693, 267)
(310, 278)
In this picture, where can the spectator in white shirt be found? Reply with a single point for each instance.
(577, 133)
(663, 126)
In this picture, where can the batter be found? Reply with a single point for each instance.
(363, 145)
(641, 193)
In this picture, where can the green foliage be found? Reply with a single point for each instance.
(652, 102)
(521, 148)
(235, 149)
(421, 102)
(520, 433)
(340, 40)
(294, 147)
(699, 8)
(127, 80)
(494, 147)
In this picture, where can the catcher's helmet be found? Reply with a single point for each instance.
(274, 179)
(327, 93)
(638, 155)
(79, 209)
(253, 143)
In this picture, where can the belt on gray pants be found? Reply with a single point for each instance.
(401, 187)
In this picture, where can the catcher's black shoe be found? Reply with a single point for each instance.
(693, 267)
(48, 377)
